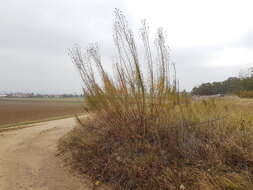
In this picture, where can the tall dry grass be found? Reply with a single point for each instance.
(245, 94)
(143, 134)
(131, 90)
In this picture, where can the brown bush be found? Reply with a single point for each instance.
(144, 134)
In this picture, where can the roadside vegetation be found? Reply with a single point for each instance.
(245, 94)
(142, 133)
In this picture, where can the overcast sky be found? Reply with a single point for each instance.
(210, 40)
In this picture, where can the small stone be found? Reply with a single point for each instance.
(118, 158)
(182, 187)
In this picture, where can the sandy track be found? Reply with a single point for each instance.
(28, 159)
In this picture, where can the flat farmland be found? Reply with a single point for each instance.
(14, 111)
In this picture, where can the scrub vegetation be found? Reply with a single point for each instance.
(142, 133)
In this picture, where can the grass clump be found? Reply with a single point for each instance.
(245, 94)
(142, 133)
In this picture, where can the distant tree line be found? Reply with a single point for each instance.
(233, 85)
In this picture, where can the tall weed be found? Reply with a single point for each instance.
(142, 133)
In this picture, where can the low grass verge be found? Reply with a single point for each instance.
(25, 124)
(245, 94)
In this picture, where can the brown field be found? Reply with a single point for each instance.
(13, 111)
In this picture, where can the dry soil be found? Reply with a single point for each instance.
(28, 159)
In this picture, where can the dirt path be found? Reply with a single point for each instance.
(28, 159)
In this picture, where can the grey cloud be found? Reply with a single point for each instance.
(35, 36)
(193, 69)
(246, 40)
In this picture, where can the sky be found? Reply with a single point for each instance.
(210, 40)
